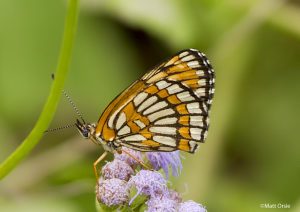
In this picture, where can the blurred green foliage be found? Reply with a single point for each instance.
(252, 152)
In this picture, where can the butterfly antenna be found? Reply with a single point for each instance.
(71, 103)
(60, 128)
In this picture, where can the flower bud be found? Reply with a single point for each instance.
(117, 169)
(112, 192)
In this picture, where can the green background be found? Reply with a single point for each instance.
(251, 155)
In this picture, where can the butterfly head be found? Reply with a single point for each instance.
(85, 129)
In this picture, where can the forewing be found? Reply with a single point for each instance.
(166, 110)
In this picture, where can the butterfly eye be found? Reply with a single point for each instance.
(84, 129)
(85, 133)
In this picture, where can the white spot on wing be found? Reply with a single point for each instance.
(165, 140)
(139, 98)
(188, 58)
(155, 107)
(183, 54)
(193, 145)
(111, 119)
(202, 82)
(205, 134)
(166, 148)
(193, 107)
(185, 96)
(162, 84)
(200, 73)
(174, 89)
(207, 121)
(195, 133)
(196, 118)
(140, 124)
(163, 130)
(121, 120)
(193, 64)
(137, 137)
(124, 130)
(113, 116)
(161, 113)
(196, 121)
(166, 121)
(200, 92)
(204, 107)
(147, 102)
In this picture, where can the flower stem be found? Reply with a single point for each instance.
(51, 104)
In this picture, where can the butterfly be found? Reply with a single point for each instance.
(165, 110)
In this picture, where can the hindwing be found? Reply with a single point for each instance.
(166, 110)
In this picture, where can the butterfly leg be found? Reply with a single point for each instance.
(98, 161)
(138, 160)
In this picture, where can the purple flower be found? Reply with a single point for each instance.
(126, 158)
(191, 206)
(117, 179)
(158, 160)
(168, 202)
(164, 160)
(150, 183)
(112, 192)
(161, 204)
(174, 195)
(117, 169)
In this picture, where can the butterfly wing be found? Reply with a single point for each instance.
(166, 110)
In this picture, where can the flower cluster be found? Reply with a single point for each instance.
(123, 184)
